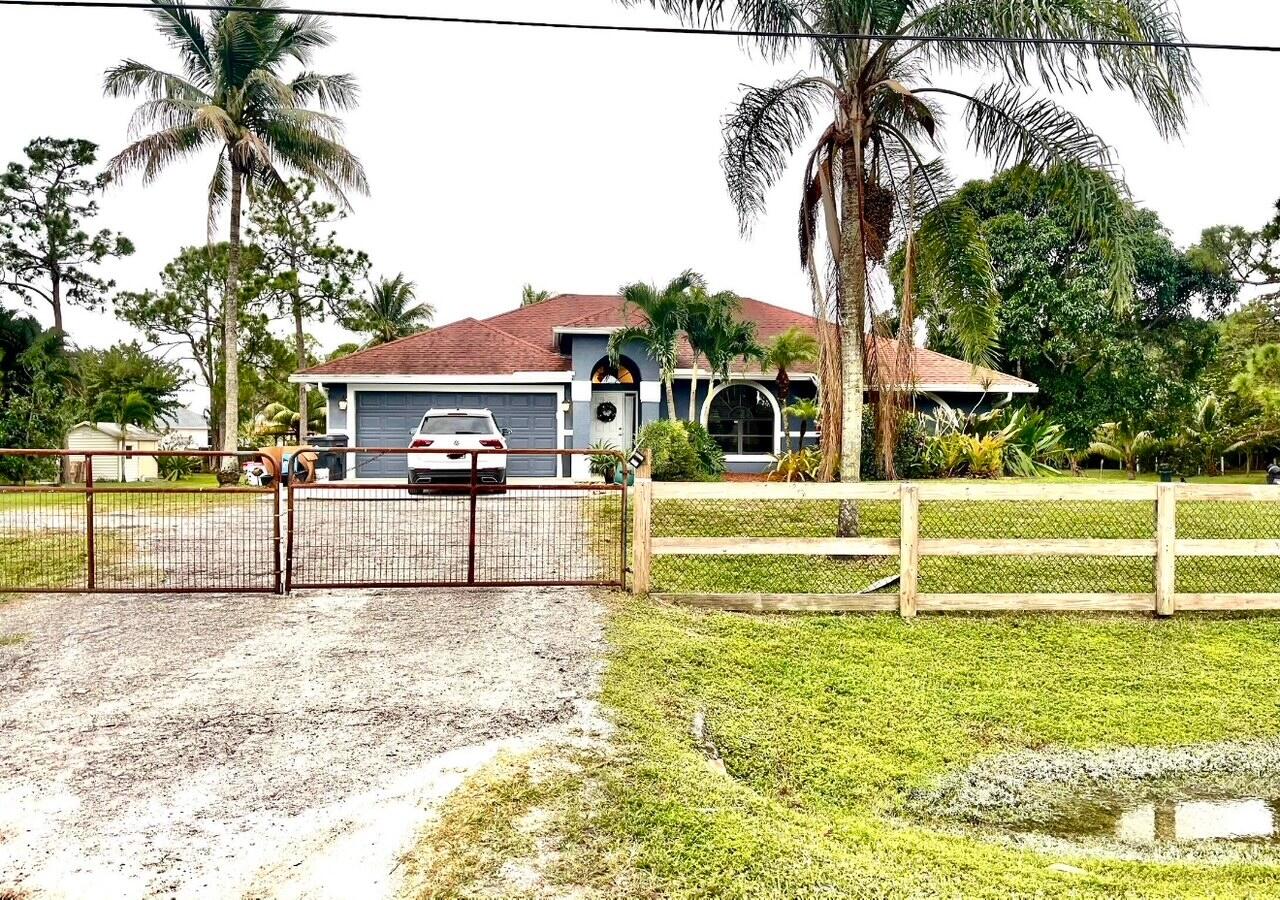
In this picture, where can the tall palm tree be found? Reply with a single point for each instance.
(391, 311)
(666, 313)
(787, 350)
(233, 94)
(710, 319)
(873, 177)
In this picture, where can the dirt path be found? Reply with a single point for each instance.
(265, 746)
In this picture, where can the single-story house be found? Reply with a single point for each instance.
(545, 373)
(109, 436)
(186, 423)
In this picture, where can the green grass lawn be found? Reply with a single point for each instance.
(26, 500)
(826, 725)
(1020, 520)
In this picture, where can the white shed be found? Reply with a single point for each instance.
(108, 436)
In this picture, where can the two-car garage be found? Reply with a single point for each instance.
(389, 418)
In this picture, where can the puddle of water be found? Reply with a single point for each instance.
(1164, 822)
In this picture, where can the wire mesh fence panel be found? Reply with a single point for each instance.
(769, 518)
(1037, 574)
(1043, 519)
(1224, 520)
(817, 573)
(185, 540)
(43, 540)
(529, 536)
(382, 536)
(784, 574)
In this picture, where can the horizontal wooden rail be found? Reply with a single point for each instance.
(1226, 602)
(717, 546)
(774, 490)
(1036, 547)
(1226, 548)
(1036, 602)
(1047, 492)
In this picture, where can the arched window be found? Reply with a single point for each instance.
(606, 372)
(742, 421)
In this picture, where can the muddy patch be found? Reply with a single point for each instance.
(1211, 800)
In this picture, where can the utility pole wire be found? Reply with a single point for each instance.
(650, 29)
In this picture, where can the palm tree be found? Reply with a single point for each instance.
(1122, 442)
(390, 311)
(804, 411)
(665, 311)
(873, 176)
(528, 296)
(786, 351)
(233, 94)
(710, 323)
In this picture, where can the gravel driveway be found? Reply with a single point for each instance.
(233, 746)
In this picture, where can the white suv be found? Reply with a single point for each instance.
(462, 430)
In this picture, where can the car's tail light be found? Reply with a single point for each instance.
(492, 443)
(420, 442)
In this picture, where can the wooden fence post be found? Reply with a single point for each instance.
(909, 554)
(1166, 558)
(642, 543)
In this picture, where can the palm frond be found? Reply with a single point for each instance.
(130, 78)
(955, 261)
(329, 91)
(1014, 128)
(1159, 78)
(761, 133)
(154, 152)
(188, 38)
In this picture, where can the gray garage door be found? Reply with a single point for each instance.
(387, 418)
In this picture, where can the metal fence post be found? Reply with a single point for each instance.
(288, 538)
(1166, 557)
(909, 553)
(642, 546)
(277, 549)
(471, 537)
(91, 554)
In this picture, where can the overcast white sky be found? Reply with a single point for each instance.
(578, 161)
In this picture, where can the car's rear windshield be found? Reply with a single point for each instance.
(457, 425)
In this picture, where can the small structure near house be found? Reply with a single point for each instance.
(109, 436)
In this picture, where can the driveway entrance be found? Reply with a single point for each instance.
(218, 746)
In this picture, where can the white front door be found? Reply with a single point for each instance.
(619, 409)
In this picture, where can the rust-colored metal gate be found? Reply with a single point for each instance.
(135, 536)
(461, 533)
(159, 537)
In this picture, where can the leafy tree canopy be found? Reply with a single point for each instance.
(1059, 327)
(126, 385)
(46, 255)
(35, 373)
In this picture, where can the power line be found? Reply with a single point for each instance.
(657, 29)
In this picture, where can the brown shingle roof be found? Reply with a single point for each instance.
(523, 340)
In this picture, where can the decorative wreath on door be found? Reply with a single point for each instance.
(606, 412)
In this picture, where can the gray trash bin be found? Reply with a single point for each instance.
(328, 457)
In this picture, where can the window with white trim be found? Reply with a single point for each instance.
(741, 420)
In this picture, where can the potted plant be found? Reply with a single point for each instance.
(604, 460)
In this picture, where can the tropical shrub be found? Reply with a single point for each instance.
(1124, 443)
(674, 456)
(909, 451)
(956, 455)
(710, 454)
(603, 459)
(797, 465)
(1034, 444)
